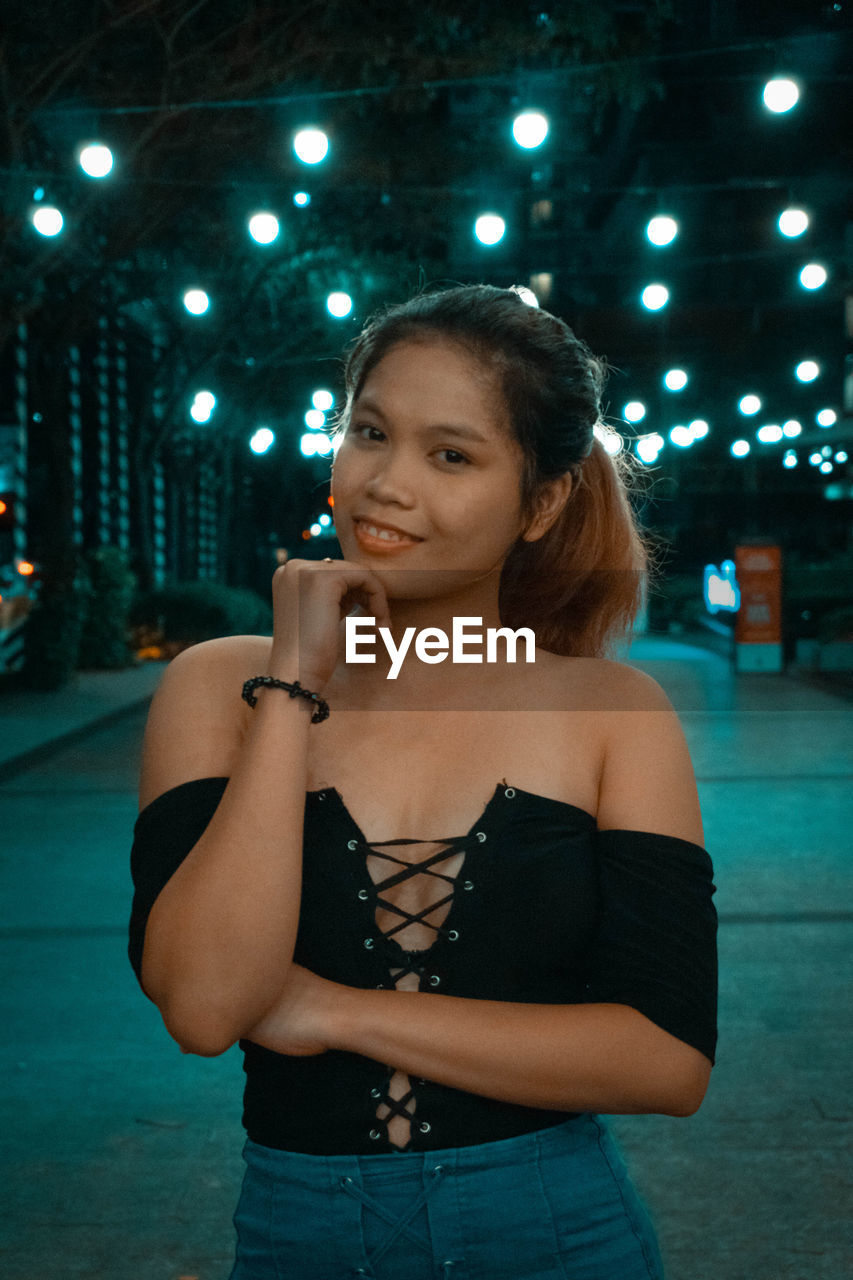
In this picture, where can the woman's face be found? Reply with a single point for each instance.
(427, 451)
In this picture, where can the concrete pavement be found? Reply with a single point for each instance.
(34, 721)
(121, 1156)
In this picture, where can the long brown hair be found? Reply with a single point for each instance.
(581, 585)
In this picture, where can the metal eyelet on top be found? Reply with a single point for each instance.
(376, 1093)
(509, 793)
(363, 894)
(481, 835)
(453, 935)
(368, 944)
(469, 884)
(352, 844)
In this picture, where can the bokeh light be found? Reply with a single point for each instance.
(96, 160)
(793, 222)
(489, 228)
(48, 221)
(662, 230)
(196, 301)
(262, 440)
(813, 276)
(780, 95)
(263, 227)
(655, 296)
(339, 305)
(530, 129)
(311, 146)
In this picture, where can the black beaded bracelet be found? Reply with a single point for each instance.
(295, 690)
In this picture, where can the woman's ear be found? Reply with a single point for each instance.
(552, 497)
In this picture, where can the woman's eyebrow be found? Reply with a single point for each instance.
(433, 429)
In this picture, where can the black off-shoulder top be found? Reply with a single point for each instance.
(541, 907)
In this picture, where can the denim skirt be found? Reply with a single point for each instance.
(549, 1205)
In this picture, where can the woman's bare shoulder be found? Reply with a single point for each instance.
(197, 717)
(601, 684)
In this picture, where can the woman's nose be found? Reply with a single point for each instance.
(392, 481)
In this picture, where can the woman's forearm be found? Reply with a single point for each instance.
(577, 1057)
(595, 1057)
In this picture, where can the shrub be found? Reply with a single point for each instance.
(167, 619)
(53, 634)
(105, 642)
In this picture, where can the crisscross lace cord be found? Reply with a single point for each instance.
(396, 1097)
(399, 1226)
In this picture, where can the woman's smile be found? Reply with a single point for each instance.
(381, 538)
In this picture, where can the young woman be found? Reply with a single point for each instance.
(469, 909)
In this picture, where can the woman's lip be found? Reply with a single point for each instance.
(368, 540)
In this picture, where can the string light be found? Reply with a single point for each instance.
(662, 230)
(311, 146)
(675, 380)
(634, 411)
(655, 297)
(196, 301)
(47, 220)
(793, 222)
(339, 305)
(813, 276)
(263, 227)
(780, 95)
(96, 160)
(489, 228)
(530, 129)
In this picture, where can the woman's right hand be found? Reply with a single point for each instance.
(310, 598)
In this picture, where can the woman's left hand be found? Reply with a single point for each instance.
(300, 1021)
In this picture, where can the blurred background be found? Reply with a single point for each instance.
(202, 203)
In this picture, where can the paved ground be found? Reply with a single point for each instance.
(121, 1156)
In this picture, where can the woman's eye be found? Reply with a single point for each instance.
(361, 429)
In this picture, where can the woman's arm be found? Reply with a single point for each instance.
(221, 931)
(582, 1057)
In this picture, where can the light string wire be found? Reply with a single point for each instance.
(508, 79)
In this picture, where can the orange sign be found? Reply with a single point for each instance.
(759, 575)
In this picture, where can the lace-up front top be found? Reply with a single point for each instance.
(532, 904)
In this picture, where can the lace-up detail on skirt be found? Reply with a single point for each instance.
(413, 899)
